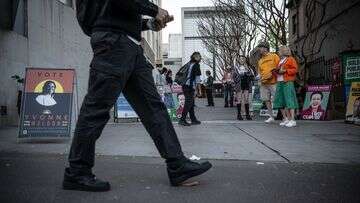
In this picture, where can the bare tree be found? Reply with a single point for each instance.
(269, 16)
(226, 33)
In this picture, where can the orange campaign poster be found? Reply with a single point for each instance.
(47, 103)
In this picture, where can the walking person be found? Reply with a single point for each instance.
(209, 88)
(242, 77)
(119, 65)
(266, 66)
(228, 88)
(191, 88)
(285, 97)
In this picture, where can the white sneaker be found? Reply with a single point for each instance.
(284, 122)
(270, 120)
(291, 124)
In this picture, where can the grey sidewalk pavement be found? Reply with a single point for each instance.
(37, 178)
(320, 142)
(253, 162)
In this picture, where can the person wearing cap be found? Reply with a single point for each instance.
(285, 97)
(266, 67)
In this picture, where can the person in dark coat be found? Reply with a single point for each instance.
(119, 66)
(209, 88)
(191, 88)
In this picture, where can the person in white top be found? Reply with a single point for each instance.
(242, 77)
(47, 96)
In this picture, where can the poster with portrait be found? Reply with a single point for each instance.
(353, 106)
(47, 103)
(173, 100)
(123, 109)
(316, 102)
(256, 99)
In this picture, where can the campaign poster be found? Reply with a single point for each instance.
(123, 109)
(352, 69)
(47, 104)
(353, 106)
(173, 100)
(316, 102)
(256, 99)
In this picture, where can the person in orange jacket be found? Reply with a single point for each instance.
(285, 96)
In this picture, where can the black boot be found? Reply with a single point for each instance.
(183, 122)
(84, 182)
(239, 117)
(247, 110)
(195, 122)
(182, 170)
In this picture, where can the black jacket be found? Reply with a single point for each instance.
(125, 16)
(195, 72)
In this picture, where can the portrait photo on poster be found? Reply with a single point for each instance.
(46, 98)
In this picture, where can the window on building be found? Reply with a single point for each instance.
(20, 17)
(294, 24)
(67, 2)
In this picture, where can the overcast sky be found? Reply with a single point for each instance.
(174, 8)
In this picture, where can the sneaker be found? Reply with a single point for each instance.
(270, 120)
(183, 123)
(87, 182)
(186, 170)
(291, 124)
(284, 122)
(195, 122)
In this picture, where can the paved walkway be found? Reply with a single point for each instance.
(37, 178)
(253, 162)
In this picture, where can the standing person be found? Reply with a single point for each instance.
(242, 77)
(285, 97)
(190, 89)
(266, 65)
(209, 88)
(228, 88)
(119, 65)
(168, 78)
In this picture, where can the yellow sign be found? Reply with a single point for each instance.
(353, 106)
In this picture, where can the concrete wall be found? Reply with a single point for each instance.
(54, 41)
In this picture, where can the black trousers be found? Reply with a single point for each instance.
(210, 97)
(189, 94)
(120, 66)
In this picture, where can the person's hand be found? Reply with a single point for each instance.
(157, 25)
(163, 17)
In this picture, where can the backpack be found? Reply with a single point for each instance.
(87, 12)
(181, 75)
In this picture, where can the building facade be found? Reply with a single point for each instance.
(175, 46)
(45, 34)
(191, 40)
(325, 37)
